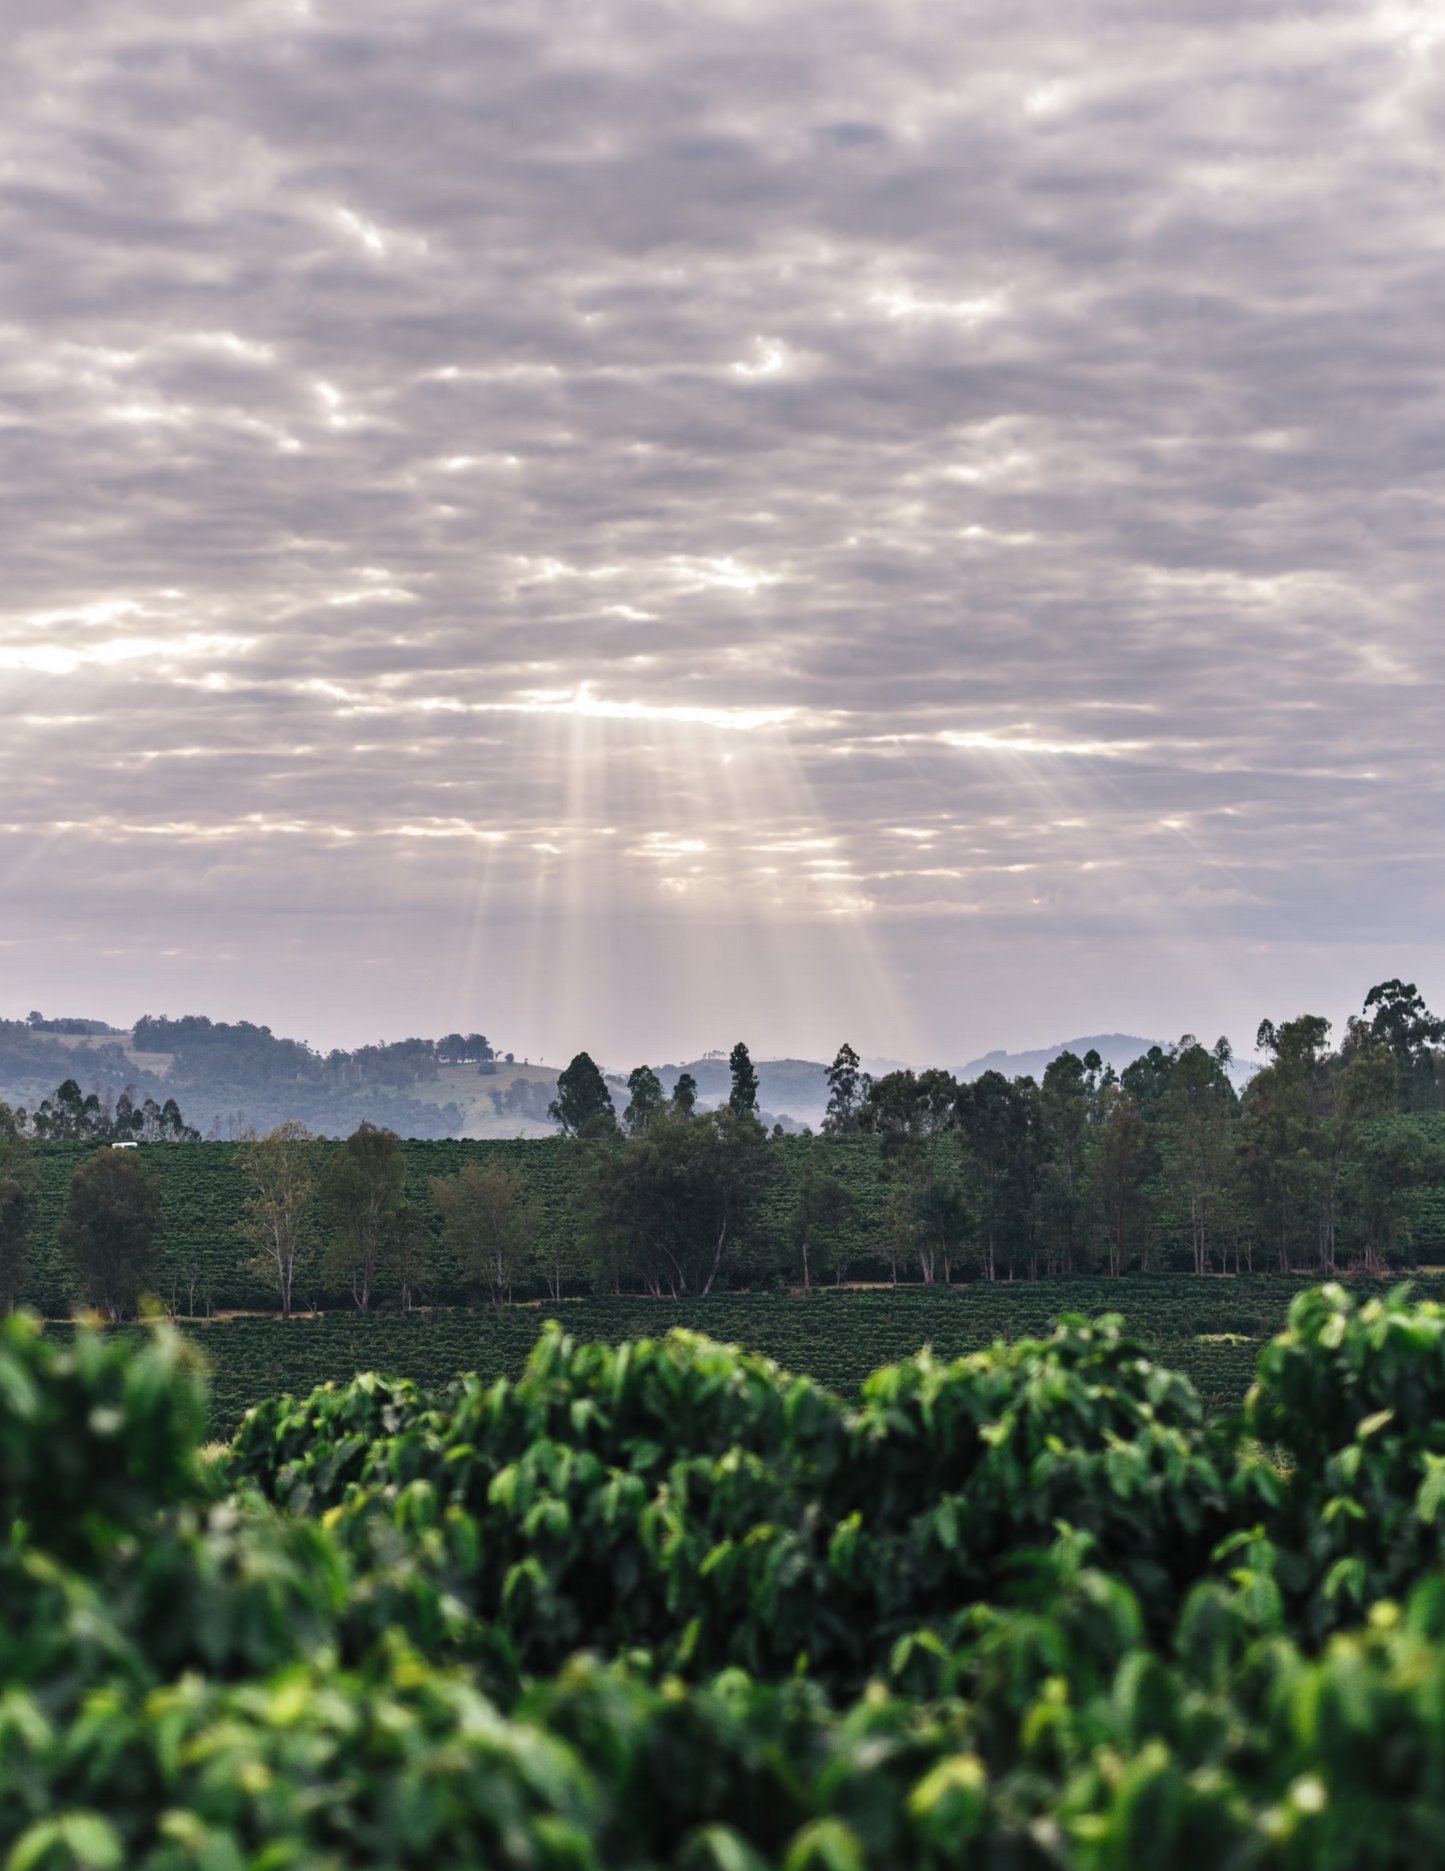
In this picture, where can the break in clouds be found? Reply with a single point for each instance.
(637, 524)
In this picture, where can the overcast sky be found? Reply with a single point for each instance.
(631, 525)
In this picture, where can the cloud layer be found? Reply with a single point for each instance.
(634, 523)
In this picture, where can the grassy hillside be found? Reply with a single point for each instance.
(458, 1099)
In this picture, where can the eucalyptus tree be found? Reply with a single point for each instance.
(848, 1086)
(111, 1230)
(1196, 1110)
(1403, 1022)
(490, 1221)
(818, 1220)
(583, 1101)
(19, 1198)
(280, 1171)
(1067, 1101)
(743, 1098)
(1364, 1085)
(148, 1122)
(1122, 1167)
(999, 1125)
(1388, 1166)
(71, 1115)
(363, 1194)
(913, 1116)
(1301, 1115)
(667, 1207)
(645, 1098)
(1276, 1138)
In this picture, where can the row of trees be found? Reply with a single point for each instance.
(1309, 1170)
(70, 1115)
(1313, 1169)
(1089, 1170)
(665, 1199)
(355, 1197)
(113, 1227)
(241, 1053)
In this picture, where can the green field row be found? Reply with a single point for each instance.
(1211, 1330)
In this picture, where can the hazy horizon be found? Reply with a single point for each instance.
(626, 528)
(872, 1063)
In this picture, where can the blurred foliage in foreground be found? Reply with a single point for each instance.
(666, 1605)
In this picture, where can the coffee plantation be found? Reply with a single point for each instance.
(663, 1604)
(204, 1262)
(204, 1192)
(1212, 1331)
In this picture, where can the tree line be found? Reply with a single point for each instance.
(1089, 1170)
(241, 1075)
(242, 1053)
(1093, 1170)
(70, 1115)
(1313, 1168)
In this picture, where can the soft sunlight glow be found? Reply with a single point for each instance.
(54, 659)
(649, 505)
(771, 358)
(582, 702)
(901, 302)
(362, 231)
(719, 574)
(1007, 743)
(103, 611)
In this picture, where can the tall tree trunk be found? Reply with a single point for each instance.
(722, 1235)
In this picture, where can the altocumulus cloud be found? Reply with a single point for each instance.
(631, 522)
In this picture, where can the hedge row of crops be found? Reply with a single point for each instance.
(663, 1606)
(1211, 1330)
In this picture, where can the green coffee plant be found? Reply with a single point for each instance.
(361, 1660)
(1352, 1395)
(95, 1435)
(699, 1502)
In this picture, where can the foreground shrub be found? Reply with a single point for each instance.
(686, 1498)
(97, 1435)
(1354, 1398)
(356, 1659)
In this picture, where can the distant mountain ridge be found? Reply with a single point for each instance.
(1115, 1049)
(229, 1077)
